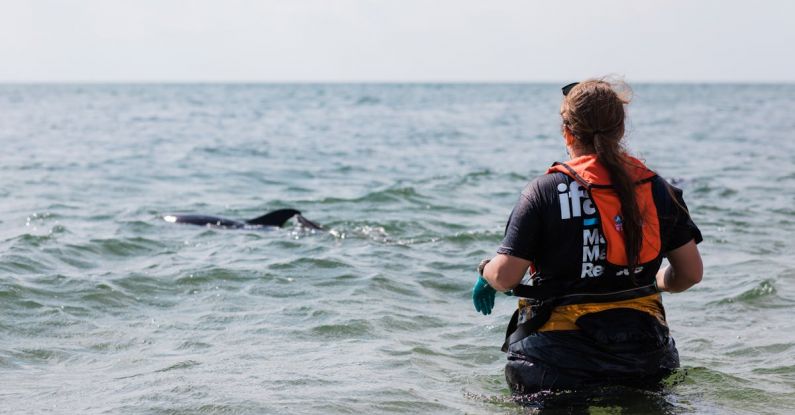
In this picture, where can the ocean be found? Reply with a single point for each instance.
(107, 308)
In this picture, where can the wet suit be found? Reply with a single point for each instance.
(590, 323)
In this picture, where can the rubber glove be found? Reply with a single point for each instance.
(483, 296)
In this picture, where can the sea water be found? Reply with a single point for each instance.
(106, 308)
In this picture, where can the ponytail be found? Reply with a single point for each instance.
(594, 112)
(614, 160)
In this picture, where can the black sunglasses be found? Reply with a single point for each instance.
(566, 89)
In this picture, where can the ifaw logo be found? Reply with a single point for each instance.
(574, 201)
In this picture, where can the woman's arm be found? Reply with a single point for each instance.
(685, 270)
(504, 272)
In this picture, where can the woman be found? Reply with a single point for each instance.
(593, 232)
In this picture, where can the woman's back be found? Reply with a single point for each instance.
(594, 231)
(611, 328)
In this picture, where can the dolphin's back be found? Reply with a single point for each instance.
(274, 219)
(203, 220)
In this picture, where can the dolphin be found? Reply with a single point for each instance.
(275, 219)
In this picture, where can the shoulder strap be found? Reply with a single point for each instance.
(569, 171)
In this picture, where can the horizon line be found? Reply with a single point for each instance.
(375, 82)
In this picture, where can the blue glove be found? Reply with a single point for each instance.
(483, 296)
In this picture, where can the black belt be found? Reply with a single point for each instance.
(547, 301)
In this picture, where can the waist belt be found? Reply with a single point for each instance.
(547, 301)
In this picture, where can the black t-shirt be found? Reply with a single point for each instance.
(536, 231)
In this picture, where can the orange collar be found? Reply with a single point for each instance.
(590, 172)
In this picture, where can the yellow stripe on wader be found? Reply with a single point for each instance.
(564, 317)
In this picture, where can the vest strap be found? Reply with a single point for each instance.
(516, 332)
(538, 292)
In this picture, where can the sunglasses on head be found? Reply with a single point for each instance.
(566, 89)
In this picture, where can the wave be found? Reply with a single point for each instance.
(762, 294)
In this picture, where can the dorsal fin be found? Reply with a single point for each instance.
(275, 218)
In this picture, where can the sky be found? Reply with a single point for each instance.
(396, 41)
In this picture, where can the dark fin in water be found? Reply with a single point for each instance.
(275, 218)
(306, 223)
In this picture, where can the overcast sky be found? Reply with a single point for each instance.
(398, 40)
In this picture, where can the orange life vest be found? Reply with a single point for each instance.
(610, 284)
(596, 180)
